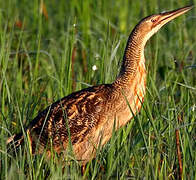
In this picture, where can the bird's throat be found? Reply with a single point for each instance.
(133, 64)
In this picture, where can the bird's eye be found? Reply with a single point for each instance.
(153, 20)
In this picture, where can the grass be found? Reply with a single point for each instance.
(48, 49)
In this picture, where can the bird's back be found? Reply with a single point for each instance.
(76, 116)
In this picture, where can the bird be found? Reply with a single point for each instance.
(86, 118)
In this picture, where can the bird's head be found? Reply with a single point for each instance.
(151, 24)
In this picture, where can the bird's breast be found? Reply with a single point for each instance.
(133, 97)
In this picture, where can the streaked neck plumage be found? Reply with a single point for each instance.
(133, 57)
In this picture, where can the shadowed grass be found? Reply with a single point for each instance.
(47, 54)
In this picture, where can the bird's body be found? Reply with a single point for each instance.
(87, 117)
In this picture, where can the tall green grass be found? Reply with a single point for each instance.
(45, 58)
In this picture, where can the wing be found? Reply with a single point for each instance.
(76, 114)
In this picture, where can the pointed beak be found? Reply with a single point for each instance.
(168, 16)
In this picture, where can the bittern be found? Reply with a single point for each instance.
(86, 118)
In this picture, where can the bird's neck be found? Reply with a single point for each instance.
(131, 81)
(133, 58)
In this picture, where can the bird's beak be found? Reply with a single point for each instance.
(168, 16)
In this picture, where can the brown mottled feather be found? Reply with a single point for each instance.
(71, 110)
